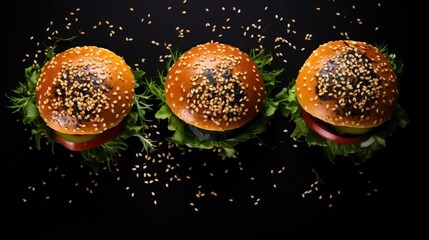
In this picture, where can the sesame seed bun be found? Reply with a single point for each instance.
(215, 87)
(348, 83)
(85, 90)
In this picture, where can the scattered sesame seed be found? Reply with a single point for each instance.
(147, 168)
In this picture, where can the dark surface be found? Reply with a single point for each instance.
(53, 196)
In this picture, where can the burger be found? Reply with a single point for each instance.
(85, 99)
(215, 96)
(345, 99)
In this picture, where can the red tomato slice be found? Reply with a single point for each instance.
(322, 130)
(103, 138)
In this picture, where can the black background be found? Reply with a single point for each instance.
(268, 191)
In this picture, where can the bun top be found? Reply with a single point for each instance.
(215, 87)
(348, 83)
(85, 90)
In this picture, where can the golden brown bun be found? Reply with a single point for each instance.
(215, 87)
(85, 90)
(348, 83)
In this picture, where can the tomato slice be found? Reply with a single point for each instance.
(102, 138)
(320, 127)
